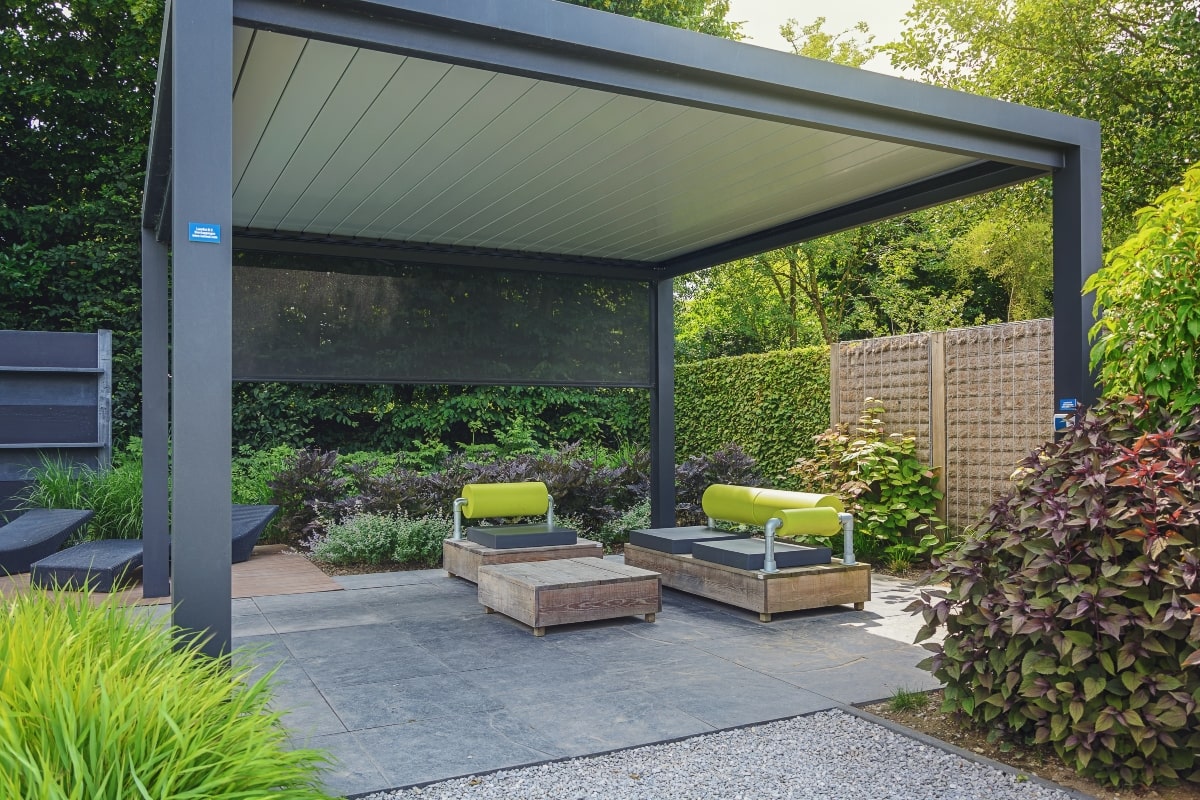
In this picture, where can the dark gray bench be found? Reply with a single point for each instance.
(248, 524)
(98, 565)
(35, 535)
(104, 563)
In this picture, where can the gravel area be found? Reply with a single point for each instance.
(830, 755)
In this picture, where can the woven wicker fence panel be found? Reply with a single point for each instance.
(999, 407)
(893, 370)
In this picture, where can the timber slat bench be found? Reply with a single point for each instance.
(35, 535)
(759, 575)
(512, 543)
(565, 591)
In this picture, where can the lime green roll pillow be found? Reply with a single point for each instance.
(505, 499)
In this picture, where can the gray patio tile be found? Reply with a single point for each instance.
(513, 647)
(445, 747)
(347, 668)
(255, 624)
(305, 711)
(306, 602)
(870, 678)
(375, 580)
(352, 770)
(351, 638)
(726, 701)
(308, 619)
(374, 705)
(609, 721)
(780, 655)
(515, 685)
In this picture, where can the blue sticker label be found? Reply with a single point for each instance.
(1067, 405)
(1061, 421)
(204, 232)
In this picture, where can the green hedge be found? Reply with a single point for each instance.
(772, 404)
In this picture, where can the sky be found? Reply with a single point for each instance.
(763, 18)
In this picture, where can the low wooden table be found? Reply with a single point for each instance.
(569, 590)
(463, 558)
(790, 589)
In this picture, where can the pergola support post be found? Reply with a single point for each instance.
(155, 425)
(1077, 254)
(202, 310)
(662, 405)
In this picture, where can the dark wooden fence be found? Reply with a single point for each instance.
(55, 404)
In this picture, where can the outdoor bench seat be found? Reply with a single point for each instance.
(35, 535)
(462, 556)
(248, 524)
(758, 574)
(99, 565)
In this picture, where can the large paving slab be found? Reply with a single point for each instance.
(404, 679)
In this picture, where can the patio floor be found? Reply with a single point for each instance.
(404, 679)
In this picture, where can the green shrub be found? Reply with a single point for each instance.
(1145, 340)
(615, 532)
(1072, 615)
(771, 404)
(99, 704)
(114, 494)
(382, 539)
(892, 496)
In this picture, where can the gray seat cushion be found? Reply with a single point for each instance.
(751, 553)
(678, 540)
(503, 537)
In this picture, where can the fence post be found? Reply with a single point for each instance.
(835, 395)
(937, 413)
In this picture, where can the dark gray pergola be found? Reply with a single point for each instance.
(521, 135)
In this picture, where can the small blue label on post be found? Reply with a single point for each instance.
(204, 232)
(1061, 422)
(1067, 405)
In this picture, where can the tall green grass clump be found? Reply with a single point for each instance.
(96, 704)
(114, 494)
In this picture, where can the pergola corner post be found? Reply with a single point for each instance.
(662, 404)
(1077, 255)
(202, 303)
(155, 425)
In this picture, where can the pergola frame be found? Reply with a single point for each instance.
(189, 178)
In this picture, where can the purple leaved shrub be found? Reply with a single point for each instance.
(1072, 613)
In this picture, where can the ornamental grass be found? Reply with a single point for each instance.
(97, 703)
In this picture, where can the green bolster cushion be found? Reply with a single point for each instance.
(778, 499)
(732, 503)
(808, 522)
(505, 499)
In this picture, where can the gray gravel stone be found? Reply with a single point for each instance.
(822, 756)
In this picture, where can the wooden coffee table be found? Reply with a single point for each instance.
(544, 593)
(463, 558)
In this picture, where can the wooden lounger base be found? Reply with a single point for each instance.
(792, 589)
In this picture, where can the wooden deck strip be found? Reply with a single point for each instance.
(272, 570)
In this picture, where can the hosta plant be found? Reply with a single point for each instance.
(99, 704)
(1071, 616)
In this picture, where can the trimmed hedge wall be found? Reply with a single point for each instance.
(772, 404)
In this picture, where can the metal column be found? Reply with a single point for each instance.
(155, 575)
(662, 405)
(202, 302)
(1077, 254)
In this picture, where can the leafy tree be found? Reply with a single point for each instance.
(705, 16)
(77, 81)
(1015, 252)
(840, 48)
(1149, 290)
(1132, 65)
